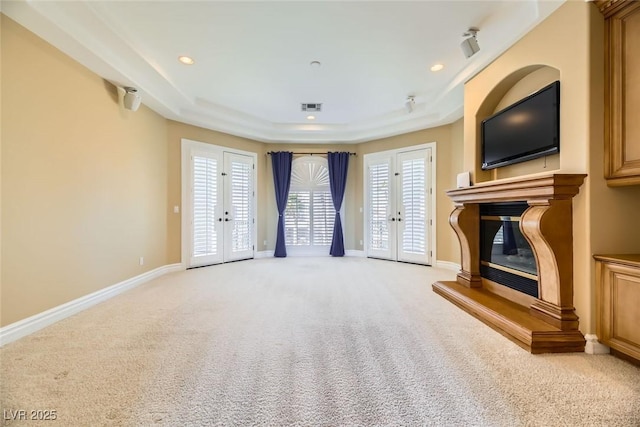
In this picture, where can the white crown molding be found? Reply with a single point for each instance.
(22, 328)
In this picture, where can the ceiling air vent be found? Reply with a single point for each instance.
(311, 107)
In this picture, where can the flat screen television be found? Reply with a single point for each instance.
(526, 130)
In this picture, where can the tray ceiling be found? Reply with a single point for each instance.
(253, 60)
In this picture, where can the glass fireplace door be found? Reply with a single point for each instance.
(505, 254)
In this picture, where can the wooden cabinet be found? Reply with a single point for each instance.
(622, 91)
(618, 302)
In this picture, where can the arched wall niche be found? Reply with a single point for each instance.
(509, 90)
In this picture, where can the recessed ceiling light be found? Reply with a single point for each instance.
(315, 64)
(311, 117)
(437, 67)
(187, 60)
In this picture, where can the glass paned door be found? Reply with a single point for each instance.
(205, 201)
(412, 219)
(397, 218)
(380, 206)
(238, 207)
(219, 204)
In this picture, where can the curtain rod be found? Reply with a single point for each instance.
(311, 154)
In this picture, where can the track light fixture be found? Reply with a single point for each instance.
(410, 103)
(470, 45)
(131, 98)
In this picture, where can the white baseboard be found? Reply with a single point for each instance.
(593, 346)
(354, 253)
(27, 326)
(269, 254)
(263, 254)
(448, 265)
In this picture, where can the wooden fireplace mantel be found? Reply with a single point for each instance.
(533, 188)
(549, 323)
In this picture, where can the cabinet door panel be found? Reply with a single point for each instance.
(622, 145)
(626, 298)
(631, 85)
(618, 300)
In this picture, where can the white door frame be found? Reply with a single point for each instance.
(187, 147)
(432, 193)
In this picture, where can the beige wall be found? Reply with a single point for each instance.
(84, 182)
(571, 42)
(448, 245)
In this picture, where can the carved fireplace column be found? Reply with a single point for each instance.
(547, 225)
(465, 221)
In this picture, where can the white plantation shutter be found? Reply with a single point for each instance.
(241, 197)
(205, 199)
(324, 215)
(310, 214)
(499, 237)
(414, 215)
(379, 204)
(297, 218)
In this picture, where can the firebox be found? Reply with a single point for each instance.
(505, 255)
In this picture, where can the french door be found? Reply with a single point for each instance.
(398, 200)
(219, 205)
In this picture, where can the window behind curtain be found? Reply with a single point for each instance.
(310, 213)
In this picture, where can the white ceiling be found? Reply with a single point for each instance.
(253, 71)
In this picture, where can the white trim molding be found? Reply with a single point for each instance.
(22, 328)
(348, 252)
(593, 346)
(354, 253)
(448, 265)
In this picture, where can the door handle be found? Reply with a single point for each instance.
(228, 219)
(220, 219)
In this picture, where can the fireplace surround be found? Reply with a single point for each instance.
(543, 321)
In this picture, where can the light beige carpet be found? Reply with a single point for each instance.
(303, 341)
